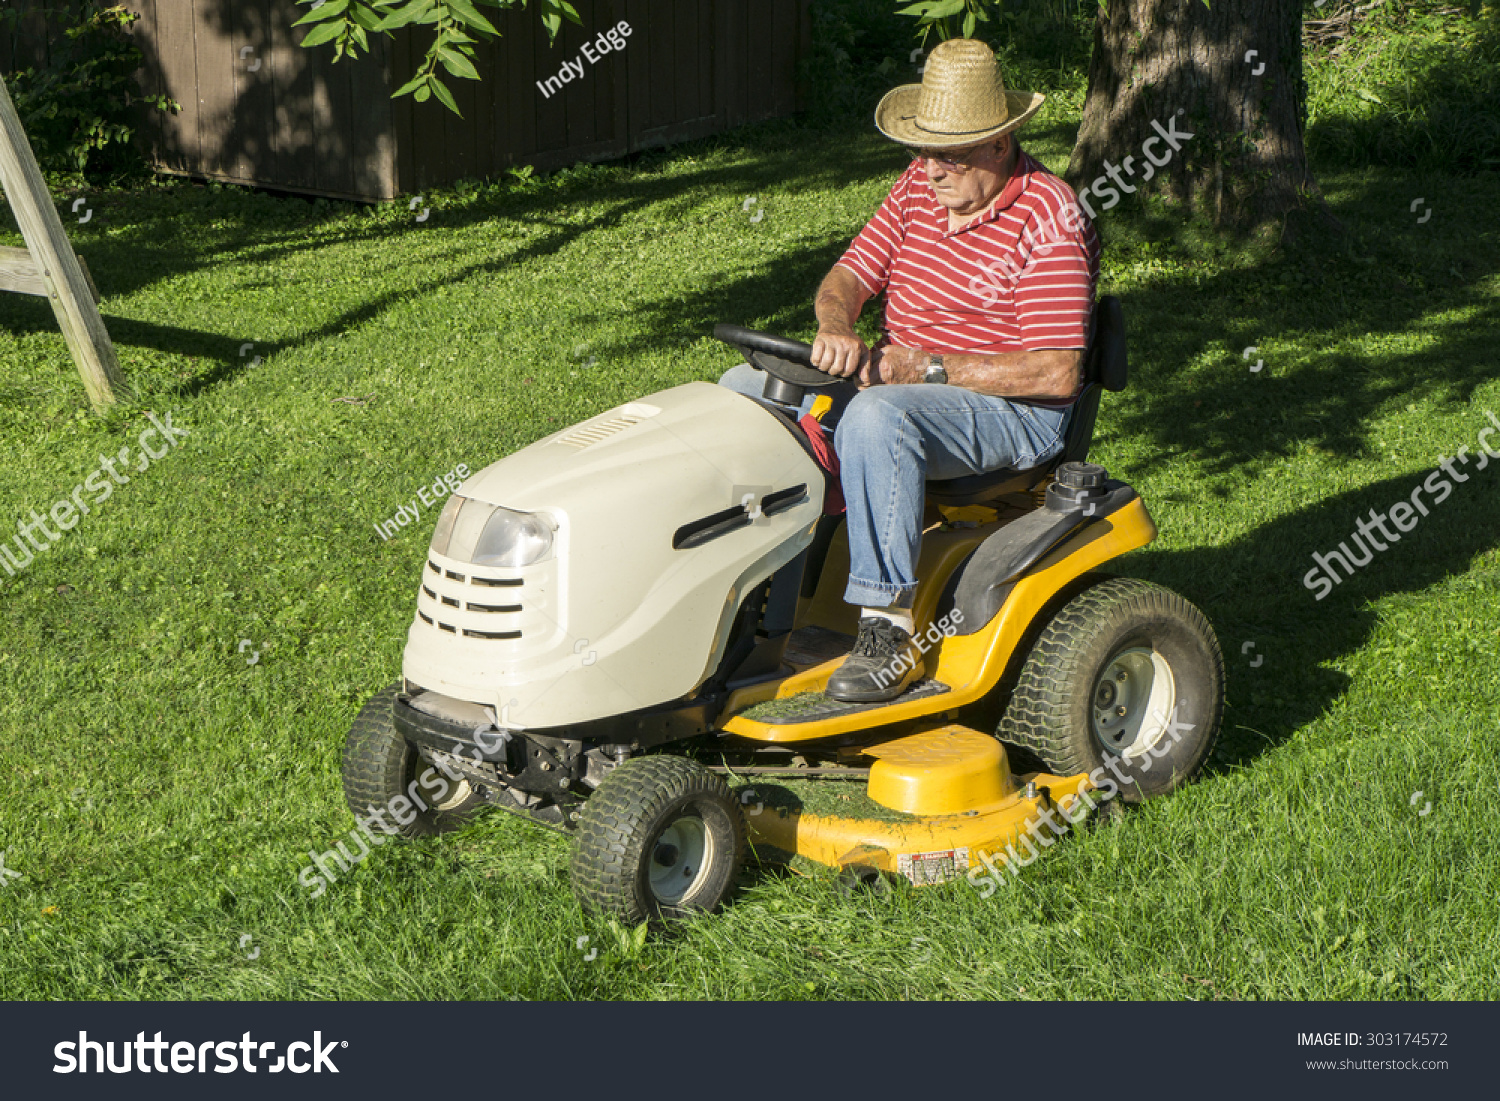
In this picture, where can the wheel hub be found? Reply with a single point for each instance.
(678, 859)
(1133, 701)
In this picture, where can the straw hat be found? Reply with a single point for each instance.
(962, 100)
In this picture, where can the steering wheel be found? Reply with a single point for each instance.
(788, 363)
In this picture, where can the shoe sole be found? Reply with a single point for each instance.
(878, 695)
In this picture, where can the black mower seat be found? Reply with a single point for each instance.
(1104, 368)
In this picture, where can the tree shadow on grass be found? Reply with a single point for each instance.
(1340, 340)
(1252, 590)
(117, 259)
(227, 354)
(767, 157)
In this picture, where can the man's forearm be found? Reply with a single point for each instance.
(839, 300)
(1048, 375)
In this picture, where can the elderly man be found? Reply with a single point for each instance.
(988, 270)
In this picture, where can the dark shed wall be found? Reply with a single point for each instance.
(688, 69)
(258, 109)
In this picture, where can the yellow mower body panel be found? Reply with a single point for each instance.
(971, 665)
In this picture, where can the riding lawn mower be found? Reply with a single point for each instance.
(618, 620)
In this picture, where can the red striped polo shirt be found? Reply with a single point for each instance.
(1020, 277)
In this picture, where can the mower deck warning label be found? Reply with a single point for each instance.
(938, 867)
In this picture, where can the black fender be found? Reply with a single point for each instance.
(980, 585)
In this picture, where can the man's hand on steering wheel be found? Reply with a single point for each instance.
(840, 354)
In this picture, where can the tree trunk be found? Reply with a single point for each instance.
(1179, 65)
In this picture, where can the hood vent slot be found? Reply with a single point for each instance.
(616, 420)
(598, 431)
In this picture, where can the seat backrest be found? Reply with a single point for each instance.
(1104, 368)
(1107, 348)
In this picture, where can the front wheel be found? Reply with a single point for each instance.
(662, 837)
(1126, 683)
(380, 768)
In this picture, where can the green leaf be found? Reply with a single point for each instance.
(322, 33)
(467, 14)
(969, 22)
(457, 64)
(945, 8)
(365, 18)
(327, 11)
(411, 85)
(555, 11)
(440, 90)
(409, 12)
(422, 94)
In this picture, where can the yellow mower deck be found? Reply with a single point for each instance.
(957, 796)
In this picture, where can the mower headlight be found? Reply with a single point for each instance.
(513, 539)
(446, 519)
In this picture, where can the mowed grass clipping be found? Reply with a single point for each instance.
(163, 785)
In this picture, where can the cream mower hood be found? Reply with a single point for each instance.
(632, 605)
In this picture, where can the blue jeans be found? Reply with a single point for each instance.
(890, 440)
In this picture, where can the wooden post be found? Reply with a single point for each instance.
(62, 276)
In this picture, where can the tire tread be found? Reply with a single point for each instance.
(604, 877)
(376, 761)
(1036, 718)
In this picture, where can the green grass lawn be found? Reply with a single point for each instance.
(161, 793)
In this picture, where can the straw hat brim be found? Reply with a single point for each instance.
(896, 118)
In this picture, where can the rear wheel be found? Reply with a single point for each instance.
(662, 837)
(379, 767)
(1126, 682)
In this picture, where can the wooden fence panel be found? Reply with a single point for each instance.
(24, 40)
(370, 140)
(259, 109)
(781, 87)
(330, 147)
(294, 92)
(520, 136)
(729, 16)
(215, 79)
(172, 46)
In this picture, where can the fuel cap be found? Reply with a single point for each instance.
(1075, 485)
(1082, 475)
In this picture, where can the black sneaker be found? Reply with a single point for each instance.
(883, 664)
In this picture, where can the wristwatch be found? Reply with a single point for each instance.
(935, 372)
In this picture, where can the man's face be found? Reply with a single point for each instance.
(966, 180)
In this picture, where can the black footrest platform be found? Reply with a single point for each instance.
(814, 707)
